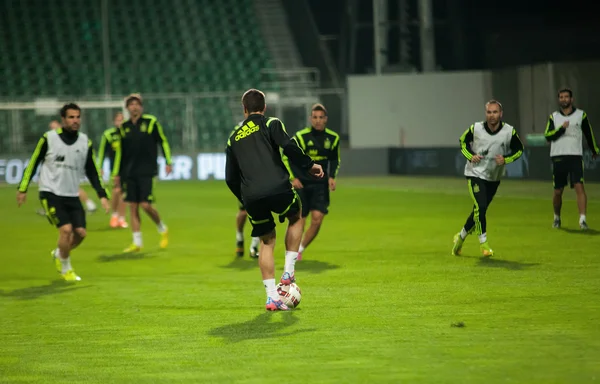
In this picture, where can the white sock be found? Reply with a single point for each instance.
(90, 205)
(162, 228)
(290, 261)
(137, 239)
(57, 253)
(463, 233)
(271, 289)
(66, 265)
(255, 242)
(239, 236)
(582, 219)
(482, 238)
(122, 218)
(301, 249)
(115, 214)
(556, 217)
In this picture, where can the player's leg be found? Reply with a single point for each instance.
(467, 228)
(58, 216)
(121, 207)
(316, 220)
(578, 183)
(117, 218)
(560, 174)
(240, 220)
(131, 195)
(304, 196)
(146, 191)
(477, 219)
(491, 187)
(288, 205)
(480, 194)
(89, 203)
(78, 221)
(263, 226)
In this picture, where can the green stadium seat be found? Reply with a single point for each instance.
(197, 46)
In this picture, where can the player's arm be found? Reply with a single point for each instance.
(465, 143)
(116, 171)
(588, 132)
(159, 135)
(290, 147)
(293, 170)
(232, 173)
(516, 148)
(551, 133)
(334, 157)
(36, 158)
(102, 149)
(288, 165)
(93, 173)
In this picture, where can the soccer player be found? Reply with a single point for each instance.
(108, 147)
(66, 155)
(487, 146)
(240, 221)
(323, 146)
(136, 166)
(564, 131)
(256, 175)
(83, 196)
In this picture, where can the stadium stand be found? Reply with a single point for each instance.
(55, 48)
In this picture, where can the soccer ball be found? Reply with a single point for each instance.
(290, 294)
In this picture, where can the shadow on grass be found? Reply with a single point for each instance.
(124, 256)
(267, 325)
(588, 232)
(30, 293)
(313, 266)
(491, 262)
(242, 263)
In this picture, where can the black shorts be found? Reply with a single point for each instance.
(259, 211)
(62, 210)
(315, 197)
(567, 170)
(138, 189)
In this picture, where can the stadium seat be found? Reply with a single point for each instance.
(197, 46)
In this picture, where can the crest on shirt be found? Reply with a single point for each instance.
(327, 143)
(310, 143)
(143, 127)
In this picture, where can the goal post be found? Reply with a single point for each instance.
(22, 123)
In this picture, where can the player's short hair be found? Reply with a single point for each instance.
(133, 96)
(493, 101)
(565, 90)
(66, 107)
(253, 100)
(319, 107)
(117, 113)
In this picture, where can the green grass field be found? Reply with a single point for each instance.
(380, 293)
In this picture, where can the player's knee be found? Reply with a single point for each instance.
(293, 217)
(316, 218)
(81, 232)
(65, 230)
(146, 206)
(268, 238)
